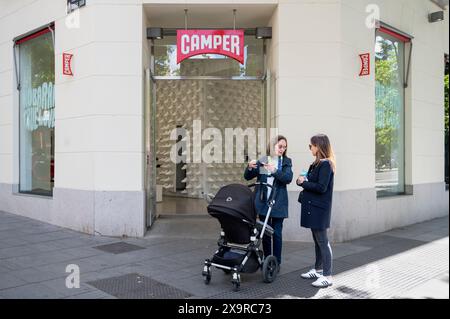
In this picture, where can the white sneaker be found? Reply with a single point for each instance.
(312, 274)
(322, 282)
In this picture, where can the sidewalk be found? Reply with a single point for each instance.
(411, 262)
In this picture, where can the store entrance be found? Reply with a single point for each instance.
(201, 93)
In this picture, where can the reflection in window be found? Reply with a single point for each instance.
(389, 115)
(446, 138)
(37, 116)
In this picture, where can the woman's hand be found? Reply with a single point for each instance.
(300, 180)
(252, 164)
(270, 167)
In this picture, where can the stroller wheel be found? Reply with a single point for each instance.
(236, 285)
(270, 269)
(236, 281)
(206, 274)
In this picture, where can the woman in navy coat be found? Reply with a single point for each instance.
(280, 175)
(316, 201)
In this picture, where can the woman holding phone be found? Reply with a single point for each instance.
(276, 170)
(316, 200)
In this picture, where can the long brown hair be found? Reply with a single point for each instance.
(274, 141)
(324, 150)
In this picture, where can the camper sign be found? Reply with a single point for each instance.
(229, 43)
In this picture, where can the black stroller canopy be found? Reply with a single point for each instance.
(234, 200)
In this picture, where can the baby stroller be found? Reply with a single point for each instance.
(241, 236)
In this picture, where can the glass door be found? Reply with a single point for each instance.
(150, 148)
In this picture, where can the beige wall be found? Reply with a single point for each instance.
(316, 46)
(100, 130)
(99, 117)
(315, 52)
(99, 113)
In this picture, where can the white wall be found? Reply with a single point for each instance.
(99, 122)
(425, 95)
(315, 50)
(316, 46)
(92, 153)
(99, 118)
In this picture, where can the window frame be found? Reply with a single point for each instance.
(36, 33)
(403, 38)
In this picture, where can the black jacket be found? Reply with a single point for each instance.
(282, 178)
(316, 197)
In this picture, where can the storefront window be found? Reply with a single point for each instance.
(37, 117)
(446, 137)
(165, 51)
(389, 112)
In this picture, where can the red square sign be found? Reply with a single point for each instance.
(67, 64)
(365, 64)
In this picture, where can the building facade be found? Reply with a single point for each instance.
(90, 150)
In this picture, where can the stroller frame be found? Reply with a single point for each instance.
(269, 265)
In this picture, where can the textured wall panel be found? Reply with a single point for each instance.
(218, 104)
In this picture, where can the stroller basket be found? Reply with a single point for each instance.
(233, 258)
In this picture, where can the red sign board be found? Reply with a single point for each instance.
(67, 64)
(224, 42)
(365, 64)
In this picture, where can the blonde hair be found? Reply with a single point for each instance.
(324, 150)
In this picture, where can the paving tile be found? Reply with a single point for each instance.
(97, 294)
(410, 262)
(31, 291)
(8, 281)
(136, 286)
(35, 275)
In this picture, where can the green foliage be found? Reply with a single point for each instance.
(42, 55)
(389, 103)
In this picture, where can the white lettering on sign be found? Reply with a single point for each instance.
(235, 44)
(226, 42)
(206, 41)
(217, 41)
(184, 44)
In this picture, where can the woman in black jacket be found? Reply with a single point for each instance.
(316, 200)
(280, 176)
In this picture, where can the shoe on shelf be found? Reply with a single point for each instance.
(322, 282)
(312, 274)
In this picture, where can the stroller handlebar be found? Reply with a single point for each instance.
(260, 183)
(209, 197)
(271, 199)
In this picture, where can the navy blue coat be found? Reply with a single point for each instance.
(316, 197)
(282, 177)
